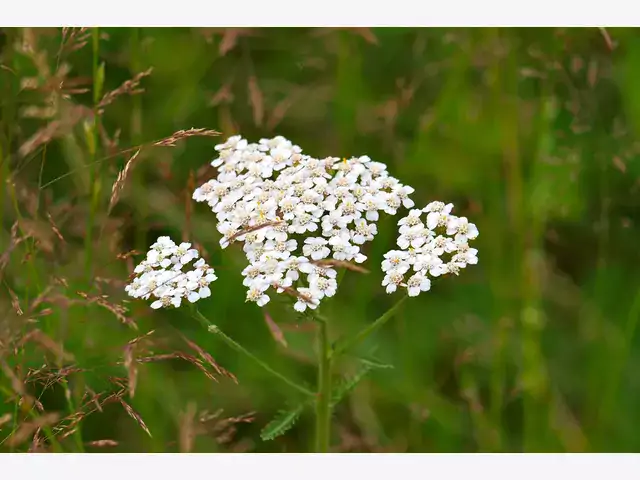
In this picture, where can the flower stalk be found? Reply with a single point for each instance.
(323, 400)
(350, 343)
(210, 327)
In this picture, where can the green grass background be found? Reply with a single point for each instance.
(532, 133)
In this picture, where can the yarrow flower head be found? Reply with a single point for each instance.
(438, 247)
(297, 219)
(291, 210)
(169, 275)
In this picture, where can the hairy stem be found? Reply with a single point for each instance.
(239, 348)
(323, 401)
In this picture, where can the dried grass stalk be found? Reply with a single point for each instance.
(130, 87)
(329, 262)
(182, 356)
(206, 356)
(256, 99)
(54, 129)
(296, 294)
(225, 429)
(41, 298)
(130, 362)
(47, 377)
(118, 185)
(15, 303)
(118, 310)
(132, 370)
(187, 428)
(136, 416)
(275, 330)
(181, 134)
(170, 141)
(607, 38)
(248, 230)
(6, 418)
(17, 386)
(13, 243)
(48, 343)
(39, 231)
(74, 39)
(102, 443)
(36, 442)
(55, 228)
(26, 429)
(130, 253)
(230, 38)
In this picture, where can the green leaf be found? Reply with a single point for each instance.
(374, 363)
(284, 420)
(349, 383)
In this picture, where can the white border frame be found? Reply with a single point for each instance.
(322, 467)
(323, 13)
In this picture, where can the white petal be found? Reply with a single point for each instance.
(432, 220)
(372, 215)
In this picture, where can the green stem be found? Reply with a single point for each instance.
(323, 401)
(93, 174)
(368, 330)
(239, 348)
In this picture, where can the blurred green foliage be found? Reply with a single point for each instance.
(531, 133)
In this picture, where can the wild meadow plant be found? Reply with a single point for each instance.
(302, 223)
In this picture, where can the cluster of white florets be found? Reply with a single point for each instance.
(439, 247)
(300, 217)
(161, 275)
(297, 215)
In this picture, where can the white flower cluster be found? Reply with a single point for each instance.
(279, 201)
(424, 245)
(161, 275)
